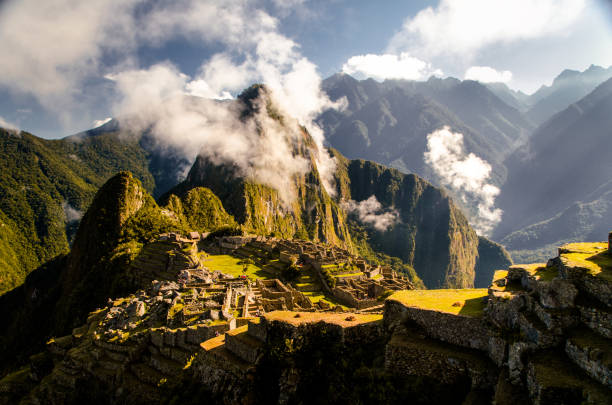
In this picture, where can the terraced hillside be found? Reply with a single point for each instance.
(539, 334)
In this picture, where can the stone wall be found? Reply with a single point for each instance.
(455, 329)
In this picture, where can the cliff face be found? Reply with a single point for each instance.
(259, 208)
(431, 233)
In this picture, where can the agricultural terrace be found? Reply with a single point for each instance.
(465, 302)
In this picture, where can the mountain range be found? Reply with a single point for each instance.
(429, 240)
(558, 186)
(532, 143)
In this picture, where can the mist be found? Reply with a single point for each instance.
(71, 214)
(10, 127)
(467, 177)
(195, 115)
(371, 212)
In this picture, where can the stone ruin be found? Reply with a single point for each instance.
(539, 334)
(362, 292)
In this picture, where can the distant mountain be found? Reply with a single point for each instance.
(514, 98)
(432, 234)
(388, 122)
(558, 184)
(567, 88)
(46, 185)
(58, 179)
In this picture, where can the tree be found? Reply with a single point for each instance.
(245, 264)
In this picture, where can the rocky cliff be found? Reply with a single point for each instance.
(430, 233)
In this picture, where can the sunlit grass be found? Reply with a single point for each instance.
(467, 302)
(230, 265)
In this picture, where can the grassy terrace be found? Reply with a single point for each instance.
(308, 284)
(466, 302)
(538, 270)
(341, 319)
(592, 256)
(229, 265)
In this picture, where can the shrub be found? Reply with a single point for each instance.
(291, 272)
(225, 231)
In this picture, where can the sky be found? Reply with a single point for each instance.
(69, 65)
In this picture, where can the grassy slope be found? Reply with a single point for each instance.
(121, 218)
(45, 185)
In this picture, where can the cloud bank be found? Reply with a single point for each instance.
(71, 214)
(69, 44)
(389, 66)
(261, 148)
(453, 35)
(486, 74)
(371, 212)
(99, 123)
(466, 175)
(459, 27)
(254, 51)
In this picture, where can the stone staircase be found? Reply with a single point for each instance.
(254, 308)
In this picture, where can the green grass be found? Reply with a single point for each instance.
(348, 275)
(539, 271)
(332, 318)
(469, 301)
(229, 265)
(316, 296)
(592, 256)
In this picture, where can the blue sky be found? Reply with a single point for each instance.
(79, 62)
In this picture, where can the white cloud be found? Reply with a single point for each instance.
(486, 74)
(67, 42)
(71, 214)
(99, 123)
(371, 212)
(462, 27)
(466, 175)
(8, 125)
(389, 66)
(62, 44)
(260, 148)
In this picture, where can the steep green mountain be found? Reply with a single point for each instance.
(567, 88)
(57, 296)
(558, 187)
(199, 210)
(388, 122)
(431, 233)
(45, 185)
(258, 208)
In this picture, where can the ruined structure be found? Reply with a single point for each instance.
(539, 334)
